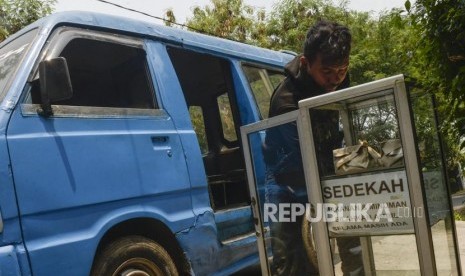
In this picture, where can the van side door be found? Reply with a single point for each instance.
(108, 154)
(216, 94)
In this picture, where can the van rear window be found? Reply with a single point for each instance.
(262, 83)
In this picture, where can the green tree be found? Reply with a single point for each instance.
(381, 46)
(290, 20)
(429, 48)
(16, 14)
(440, 28)
(230, 19)
(439, 66)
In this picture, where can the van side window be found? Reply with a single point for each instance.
(227, 121)
(196, 114)
(105, 73)
(262, 83)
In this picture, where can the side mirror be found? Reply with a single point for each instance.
(55, 83)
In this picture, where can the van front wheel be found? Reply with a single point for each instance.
(134, 255)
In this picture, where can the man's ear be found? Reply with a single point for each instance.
(303, 61)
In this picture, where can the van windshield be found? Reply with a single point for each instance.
(11, 55)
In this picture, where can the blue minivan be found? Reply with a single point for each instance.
(120, 150)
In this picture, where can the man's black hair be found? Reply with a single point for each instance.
(329, 39)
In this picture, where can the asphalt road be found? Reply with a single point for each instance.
(458, 201)
(387, 252)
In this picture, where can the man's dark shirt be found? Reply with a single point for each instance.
(282, 149)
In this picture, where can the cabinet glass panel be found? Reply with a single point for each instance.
(435, 187)
(281, 197)
(366, 201)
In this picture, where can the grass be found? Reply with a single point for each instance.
(459, 215)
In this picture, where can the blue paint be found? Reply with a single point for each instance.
(66, 181)
(208, 255)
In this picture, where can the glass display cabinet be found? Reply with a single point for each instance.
(367, 186)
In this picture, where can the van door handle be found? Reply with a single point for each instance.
(161, 143)
(159, 140)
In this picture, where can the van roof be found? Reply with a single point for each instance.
(188, 39)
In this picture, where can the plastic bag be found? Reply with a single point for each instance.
(362, 157)
(392, 154)
(354, 159)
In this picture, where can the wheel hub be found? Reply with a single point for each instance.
(138, 267)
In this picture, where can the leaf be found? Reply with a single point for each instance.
(16, 14)
(407, 5)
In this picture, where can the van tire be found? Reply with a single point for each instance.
(132, 254)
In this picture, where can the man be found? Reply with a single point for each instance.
(322, 68)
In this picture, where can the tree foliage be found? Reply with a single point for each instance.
(381, 47)
(425, 41)
(230, 19)
(440, 29)
(16, 14)
(289, 21)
